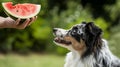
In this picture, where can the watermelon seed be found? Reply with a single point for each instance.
(17, 10)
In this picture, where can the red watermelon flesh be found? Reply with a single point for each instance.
(25, 10)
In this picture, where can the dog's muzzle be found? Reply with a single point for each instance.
(59, 38)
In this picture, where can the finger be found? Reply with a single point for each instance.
(35, 17)
(8, 19)
(24, 24)
(32, 20)
(17, 21)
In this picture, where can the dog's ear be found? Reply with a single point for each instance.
(92, 37)
(92, 29)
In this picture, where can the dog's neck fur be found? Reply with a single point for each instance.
(104, 58)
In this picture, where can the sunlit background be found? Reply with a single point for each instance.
(34, 47)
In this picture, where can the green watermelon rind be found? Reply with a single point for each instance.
(21, 20)
(10, 15)
(13, 16)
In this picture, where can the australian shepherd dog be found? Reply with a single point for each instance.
(87, 48)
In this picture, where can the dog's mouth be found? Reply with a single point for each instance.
(62, 41)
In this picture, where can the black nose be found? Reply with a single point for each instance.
(54, 29)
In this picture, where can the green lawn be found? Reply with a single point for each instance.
(34, 60)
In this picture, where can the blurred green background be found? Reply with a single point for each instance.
(34, 47)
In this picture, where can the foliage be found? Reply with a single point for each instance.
(114, 39)
(32, 60)
(57, 13)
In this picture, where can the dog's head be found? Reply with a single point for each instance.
(84, 38)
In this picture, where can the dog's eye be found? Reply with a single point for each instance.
(74, 31)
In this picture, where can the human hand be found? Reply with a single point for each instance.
(10, 23)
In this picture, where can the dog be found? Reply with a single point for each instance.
(87, 48)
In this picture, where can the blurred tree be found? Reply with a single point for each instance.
(114, 40)
(58, 13)
(96, 8)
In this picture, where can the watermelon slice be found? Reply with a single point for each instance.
(22, 11)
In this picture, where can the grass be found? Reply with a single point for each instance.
(34, 60)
